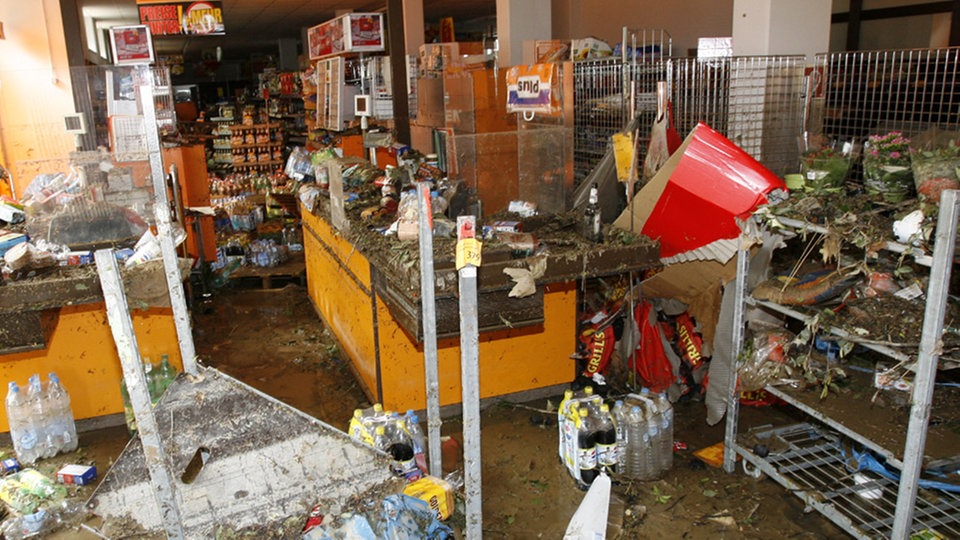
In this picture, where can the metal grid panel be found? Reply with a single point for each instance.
(754, 101)
(813, 463)
(873, 92)
(599, 111)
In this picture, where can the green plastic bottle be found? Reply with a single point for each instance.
(165, 375)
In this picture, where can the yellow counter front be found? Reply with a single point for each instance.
(81, 351)
(389, 361)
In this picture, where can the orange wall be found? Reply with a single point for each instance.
(81, 351)
(35, 91)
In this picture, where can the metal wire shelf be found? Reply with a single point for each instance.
(814, 464)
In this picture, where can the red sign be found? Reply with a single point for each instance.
(182, 18)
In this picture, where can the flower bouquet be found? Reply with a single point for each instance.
(825, 170)
(936, 168)
(886, 166)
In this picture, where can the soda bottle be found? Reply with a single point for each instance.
(62, 425)
(41, 413)
(586, 447)
(606, 437)
(400, 449)
(418, 440)
(23, 430)
(562, 411)
(166, 373)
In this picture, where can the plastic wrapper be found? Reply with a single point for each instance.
(28, 490)
(299, 165)
(766, 361)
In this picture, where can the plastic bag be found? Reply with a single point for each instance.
(766, 362)
(653, 366)
(28, 489)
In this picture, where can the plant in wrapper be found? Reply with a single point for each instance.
(886, 166)
(825, 169)
(936, 168)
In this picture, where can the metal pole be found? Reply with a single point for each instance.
(429, 313)
(161, 211)
(118, 314)
(733, 403)
(468, 259)
(931, 344)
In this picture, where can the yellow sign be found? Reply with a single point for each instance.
(468, 252)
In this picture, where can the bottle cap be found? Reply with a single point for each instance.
(357, 413)
(380, 430)
(588, 390)
(377, 407)
(583, 413)
(604, 408)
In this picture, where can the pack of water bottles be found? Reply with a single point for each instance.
(40, 419)
(633, 440)
(399, 436)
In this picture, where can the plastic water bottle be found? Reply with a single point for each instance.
(23, 430)
(652, 455)
(606, 438)
(586, 447)
(150, 375)
(638, 443)
(619, 414)
(419, 441)
(665, 409)
(63, 425)
(42, 415)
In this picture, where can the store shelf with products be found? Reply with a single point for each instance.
(870, 443)
(256, 146)
(221, 141)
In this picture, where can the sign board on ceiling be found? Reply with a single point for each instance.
(349, 33)
(171, 18)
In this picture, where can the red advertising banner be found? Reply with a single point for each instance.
(167, 18)
(353, 32)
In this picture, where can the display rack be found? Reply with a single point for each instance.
(256, 147)
(816, 467)
(222, 157)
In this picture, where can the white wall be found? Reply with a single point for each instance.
(519, 21)
(781, 27)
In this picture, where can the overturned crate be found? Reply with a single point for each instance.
(242, 463)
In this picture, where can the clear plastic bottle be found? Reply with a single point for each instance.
(42, 415)
(62, 425)
(586, 447)
(638, 441)
(652, 455)
(23, 431)
(150, 375)
(606, 439)
(418, 439)
(619, 414)
(665, 410)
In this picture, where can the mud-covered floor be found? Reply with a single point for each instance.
(273, 340)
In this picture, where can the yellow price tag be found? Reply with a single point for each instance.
(468, 252)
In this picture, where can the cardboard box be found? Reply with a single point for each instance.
(430, 102)
(436, 492)
(77, 474)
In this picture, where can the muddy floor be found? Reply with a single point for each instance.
(273, 340)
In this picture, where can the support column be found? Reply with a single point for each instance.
(762, 27)
(519, 21)
(396, 31)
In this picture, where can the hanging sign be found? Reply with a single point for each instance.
(529, 88)
(166, 18)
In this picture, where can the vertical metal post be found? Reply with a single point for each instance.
(931, 343)
(468, 259)
(161, 210)
(429, 312)
(118, 314)
(733, 403)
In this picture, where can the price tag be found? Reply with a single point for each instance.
(468, 252)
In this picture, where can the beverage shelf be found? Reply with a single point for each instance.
(816, 465)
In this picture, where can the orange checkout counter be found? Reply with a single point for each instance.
(525, 344)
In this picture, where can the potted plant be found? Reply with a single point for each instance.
(825, 170)
(936, 168)
(886, 166)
